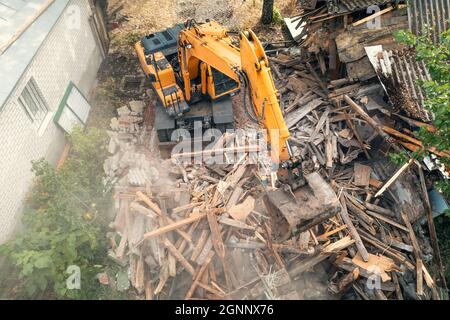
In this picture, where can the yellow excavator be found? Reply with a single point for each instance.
(202, 63)
(195, 69)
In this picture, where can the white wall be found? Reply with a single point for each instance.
(68, 54)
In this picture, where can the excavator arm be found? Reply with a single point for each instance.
(210, 46)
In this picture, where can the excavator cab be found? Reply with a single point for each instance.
(205, 98)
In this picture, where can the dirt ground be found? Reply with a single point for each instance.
(154, 15)
(148, 16)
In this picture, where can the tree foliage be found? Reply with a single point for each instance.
(437, 90)
(62, 222)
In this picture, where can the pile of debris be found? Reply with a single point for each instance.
(199, 230)
(187, 231)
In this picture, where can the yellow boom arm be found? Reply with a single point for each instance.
(210, 44)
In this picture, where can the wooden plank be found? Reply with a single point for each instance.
(330, 233)
(383, 264)
(372, 16)
(412, 235)
(136, 207)
(419, 277)
(355, 235)
(374, 208)
(394, 177)
(149, 202)
(394, 254)
(398, 244)
(200, 244)
(153, 206)
(241, 211)
(294, 117)
(416, 142)
(235, 223)
(398, 290)
(187, 266)
(174, 226)
(361, 214)
(199, 275)
(362, 175)
(186, 207)
(355, 131)
(387, 220)
(431, 228)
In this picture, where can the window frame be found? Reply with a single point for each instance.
(33, 103)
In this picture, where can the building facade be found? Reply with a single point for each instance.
(66, 50)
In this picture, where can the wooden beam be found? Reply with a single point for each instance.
(187, 266)
(431, 227)
(387, 220)
(174, 226)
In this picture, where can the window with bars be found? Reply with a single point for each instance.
(33, 103)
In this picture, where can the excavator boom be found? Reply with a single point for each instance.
(247, 64)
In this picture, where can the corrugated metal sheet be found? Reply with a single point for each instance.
(429, 14)
(400, 73)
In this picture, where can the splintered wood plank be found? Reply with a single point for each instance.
(381, 264)
(339, 245)
(362, 175)
(431, 227)
(199, 275)
(216, 237)
(329, 233)
(180, 258)
(156, 209)
(149, 202)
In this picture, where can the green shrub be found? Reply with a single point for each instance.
(63, 223)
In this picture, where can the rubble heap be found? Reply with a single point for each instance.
(202, 231)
